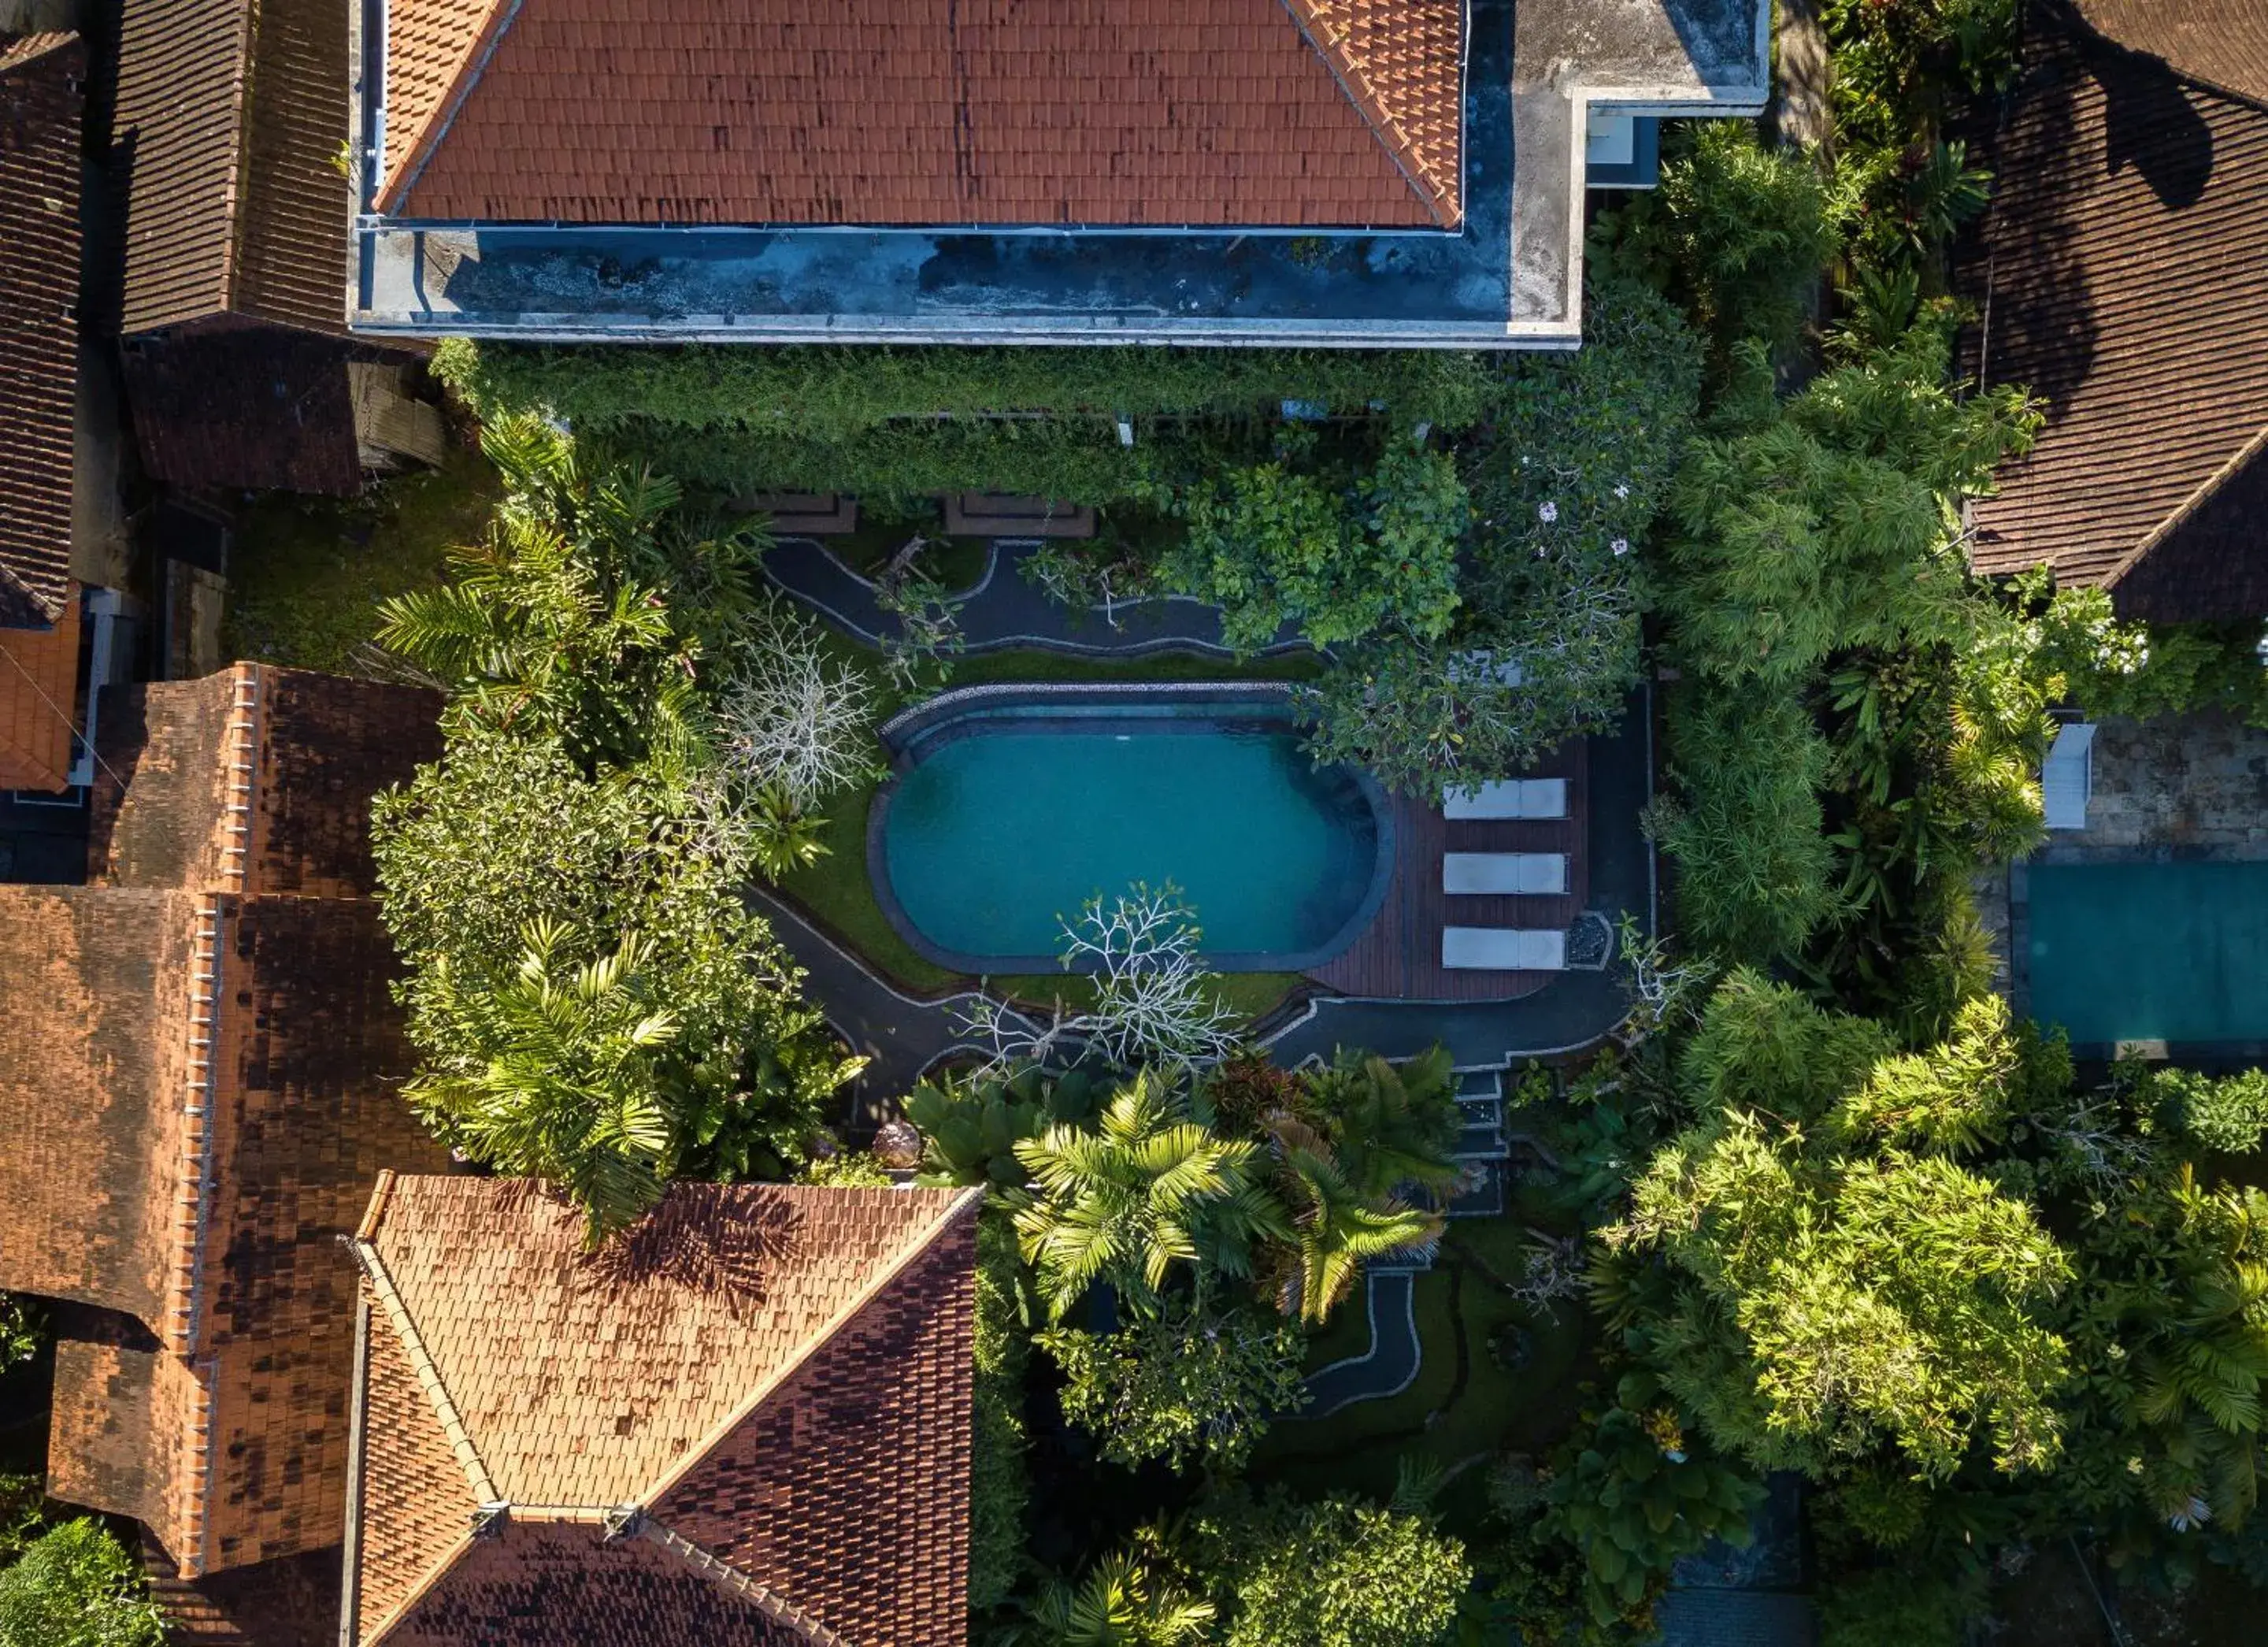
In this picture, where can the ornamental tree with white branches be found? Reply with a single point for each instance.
(791, 719)
(1155, 1002)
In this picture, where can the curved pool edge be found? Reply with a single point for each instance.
(909, 730)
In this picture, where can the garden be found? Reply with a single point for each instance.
(1820, 1210)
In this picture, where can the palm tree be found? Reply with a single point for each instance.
(570, 1088)
(1337, 1227)
(1147, 1188)
(1390, 1126)
(1121, 1604)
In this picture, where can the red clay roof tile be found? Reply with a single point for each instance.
(2125, 281)
(919, 112)
(774, 1379)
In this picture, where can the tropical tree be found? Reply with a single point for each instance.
(1277, 545)
(1335, 1573)
(971, 1123)
(789, 720)
(1835, 1280)
(783, 838)
(1391, 1125)
(1190, 1385)
(1122, 1602)
(562, 620)
(1335, 1225)
(1144, 1189)
(569, 1089)
(76, 1586)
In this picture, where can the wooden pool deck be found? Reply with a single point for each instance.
(1398, 956)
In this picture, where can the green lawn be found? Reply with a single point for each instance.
(1463, 1406)
(305, 574)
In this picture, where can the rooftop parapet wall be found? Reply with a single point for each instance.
(1508, 276)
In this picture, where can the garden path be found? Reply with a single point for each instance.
(1002, 609)
(1389, 1365)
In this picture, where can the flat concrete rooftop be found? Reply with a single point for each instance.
(1510, 276)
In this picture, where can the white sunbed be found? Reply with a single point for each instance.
(1500, 874)
(2067, 777)
(1511, 798)
(1502, 949)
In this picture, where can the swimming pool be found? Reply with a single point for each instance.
(2174, 952)
(1003, 821)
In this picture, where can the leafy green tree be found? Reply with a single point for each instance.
(586, 609)
(1335, 1573)
(505, 834)
(970, 1125)
(1898, 1606)
(2225, 1114)
(1836, 1282)
(570, 1088)
(1122, 1602)
(1738, 233)
(1743, 823)
(782, 837)
(1186, 1387)
(22, 1330)
(1390, 1125)
(1635, 1498)
(1144, 1189)
(1277, 545)
(1566, 485)
(76, 1586)
(1336, 1226)
(999, 1483)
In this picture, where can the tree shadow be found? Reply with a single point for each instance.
(719, 1240)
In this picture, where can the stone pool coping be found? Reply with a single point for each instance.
(912, 733)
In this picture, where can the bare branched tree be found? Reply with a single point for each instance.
(791, 718)
(1155, 1001)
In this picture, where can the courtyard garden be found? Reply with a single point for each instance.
(1819, 1209)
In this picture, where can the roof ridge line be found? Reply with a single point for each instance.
(427, 1373)
(377, 1632)
(1355, 87)
(759, 1595)
(2165, 528)
(954, 1209)
(501, 15)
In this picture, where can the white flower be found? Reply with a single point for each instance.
(1547, 512)
(1622, 489)
(1621, 546)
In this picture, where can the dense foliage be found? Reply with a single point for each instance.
(1188, 1386)
(76, 1586)
(592, 999)
(1337, 1573)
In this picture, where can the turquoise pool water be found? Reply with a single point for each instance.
(998, 834)
(2151, 951)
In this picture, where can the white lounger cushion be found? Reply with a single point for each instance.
(1504, 873)
(1511, 798)
(1502, 949)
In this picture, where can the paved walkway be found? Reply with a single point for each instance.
(1389, 1365)
(1002, 609)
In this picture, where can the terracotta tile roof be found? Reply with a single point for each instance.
(1089, 112)
(777, 1379)
(230, 118)
(2220, 43)
(217, 1005)
(2123, 277)
(40, 78)
(256, 409)
(39, 700)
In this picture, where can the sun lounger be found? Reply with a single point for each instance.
(1511, 798)
(1501, 873)
(1502, 949)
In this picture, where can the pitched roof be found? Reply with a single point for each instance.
(231, 115)
(256, 409)
(2124, 280)
(39, 700)
(751, 1412)
(216, 1003)
(1306, 113)
(2219, 43)
(40, 78)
